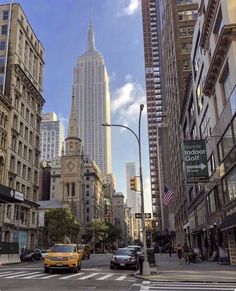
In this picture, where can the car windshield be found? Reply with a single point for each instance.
(137, 248)
(63, 249)
(124, 253)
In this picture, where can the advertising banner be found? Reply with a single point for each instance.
(195, 157)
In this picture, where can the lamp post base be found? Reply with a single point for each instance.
(146, 269)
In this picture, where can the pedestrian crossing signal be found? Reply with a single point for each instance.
(133, 184)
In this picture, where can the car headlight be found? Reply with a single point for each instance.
(73, 257)
(113, 259)
(133, 259)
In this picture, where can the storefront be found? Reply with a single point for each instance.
(228, 230)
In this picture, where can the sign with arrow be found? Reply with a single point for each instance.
(139, 215)
(195, 156)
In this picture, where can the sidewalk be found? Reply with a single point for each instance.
(168, 269)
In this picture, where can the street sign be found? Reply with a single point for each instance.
(195, 156)
(139, 215)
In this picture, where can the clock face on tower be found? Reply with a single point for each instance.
(70, 165)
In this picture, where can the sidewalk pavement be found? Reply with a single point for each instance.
(168, 269)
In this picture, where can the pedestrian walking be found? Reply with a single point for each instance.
(170, 250)
(179, 253)
(186, 253)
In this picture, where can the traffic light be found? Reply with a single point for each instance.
(133, 183)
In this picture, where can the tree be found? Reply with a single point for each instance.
(59, 224)
(101, 233)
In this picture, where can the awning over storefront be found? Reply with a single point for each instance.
(9, 195)
(229, 222)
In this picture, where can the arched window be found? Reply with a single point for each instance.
(68, 189)
(73, 189)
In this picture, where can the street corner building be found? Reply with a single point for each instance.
(21, 101)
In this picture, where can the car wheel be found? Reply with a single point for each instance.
(76, 269)
(46, 270)
(111, 267)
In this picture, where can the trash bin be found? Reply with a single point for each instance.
(141, 259)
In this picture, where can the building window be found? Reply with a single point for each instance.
(4, 29)
(225, 82)
(2, 61)
(229, 186)
(205, 126)
(211, 164)
(212, 200)
(68, 189)
(5, 15)
(219, 23)
(2, 45)
(226, 143)
(1, 79)
(73, 189)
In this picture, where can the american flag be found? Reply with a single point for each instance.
(167, 196)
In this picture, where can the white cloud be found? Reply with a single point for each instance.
(127, 7)
(131, 8)
(125, 105)
(122, 96)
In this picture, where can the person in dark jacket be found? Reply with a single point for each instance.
(179, 253)
(186, 253)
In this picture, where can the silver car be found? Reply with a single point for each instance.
(126, 258)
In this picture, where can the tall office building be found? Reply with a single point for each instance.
(132, 199)
(21, 82)
(52, 136)
(152, 53)
(179, 18)
(91, 90)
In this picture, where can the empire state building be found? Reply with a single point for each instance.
(91, 90)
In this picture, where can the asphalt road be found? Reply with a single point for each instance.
(95, 274)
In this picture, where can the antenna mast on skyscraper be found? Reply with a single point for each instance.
(91, 13)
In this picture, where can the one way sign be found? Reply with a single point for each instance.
(139, 215)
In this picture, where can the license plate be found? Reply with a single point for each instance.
(59, 265)
(122, 265)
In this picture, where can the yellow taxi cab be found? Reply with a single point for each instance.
(63, 256)
(84, 250)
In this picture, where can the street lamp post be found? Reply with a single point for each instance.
(146, 269)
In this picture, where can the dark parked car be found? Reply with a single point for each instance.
(31, 255)
(125, 257)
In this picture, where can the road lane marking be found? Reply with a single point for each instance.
(20, 275)
(106, 276)
(47, 277)
(70, 276)
(88, 276)
(121, 278)
(33, 276)
(6, 273)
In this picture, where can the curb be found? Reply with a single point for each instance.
(149, 278)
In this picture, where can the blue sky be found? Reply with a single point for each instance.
(61, 26)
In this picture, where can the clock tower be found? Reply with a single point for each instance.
(72, 170)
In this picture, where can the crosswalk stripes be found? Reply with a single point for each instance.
(185, 286)
(40, 275)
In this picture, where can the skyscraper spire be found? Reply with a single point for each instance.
(91, 44)
(73, 129)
